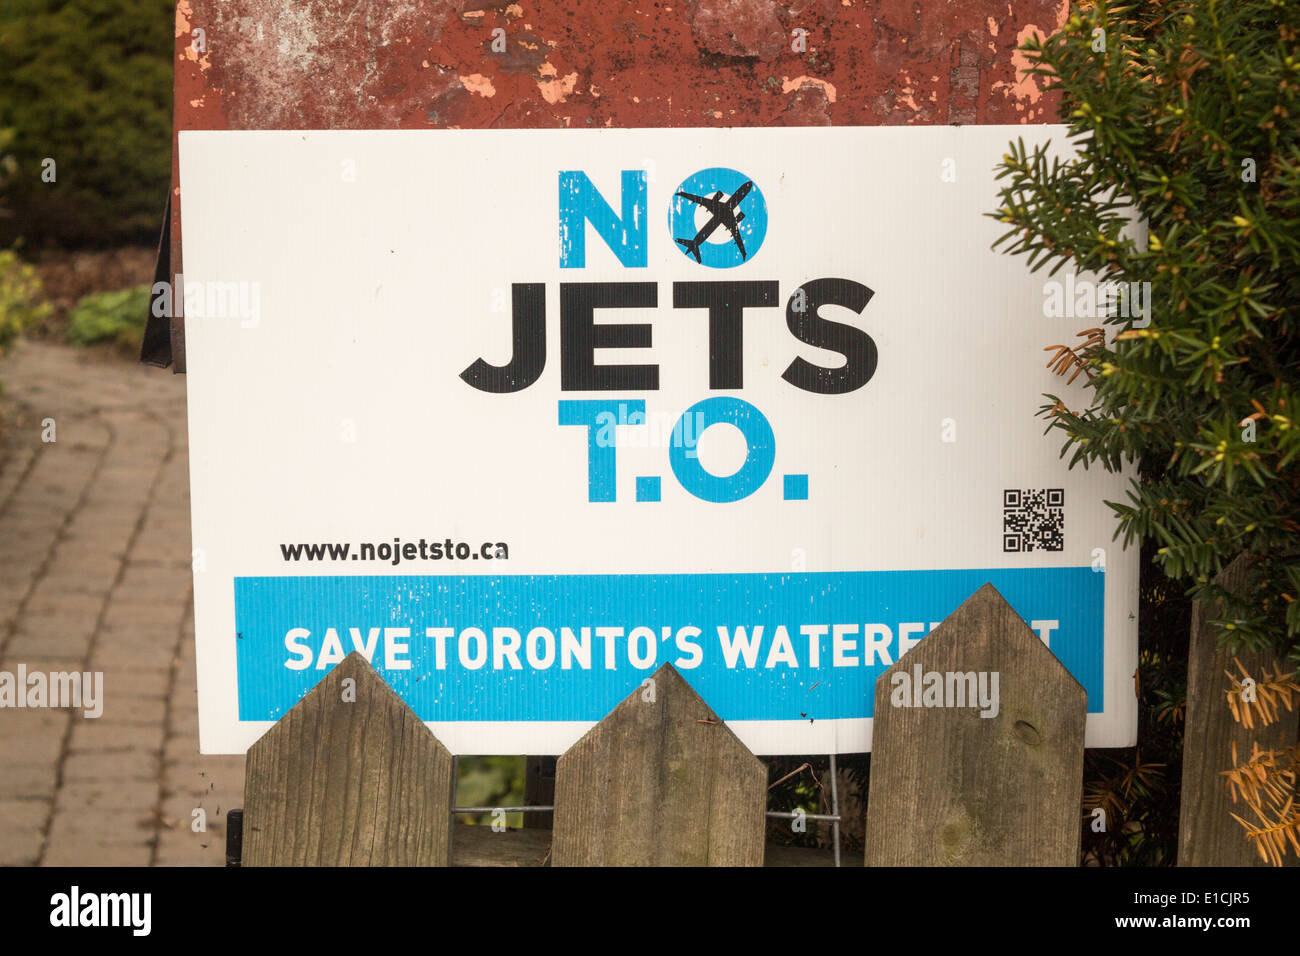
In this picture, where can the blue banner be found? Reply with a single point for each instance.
(542, 647)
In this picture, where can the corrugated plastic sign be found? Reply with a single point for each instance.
(524, 415)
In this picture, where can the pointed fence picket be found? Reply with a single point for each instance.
(348, 777)
(660, 781)
(952, 787)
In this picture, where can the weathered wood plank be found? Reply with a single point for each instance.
(1207, 834)
(661, 781)
(339, 782)
(952, 788)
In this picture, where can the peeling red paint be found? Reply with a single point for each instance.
(557, 90)
(801, 81)
(809, 106)
(739, 27)
(419, 64)
(1023, 88)
(478, 83)
(316, 64)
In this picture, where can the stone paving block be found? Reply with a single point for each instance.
(115, 490)
(143, 427)
(87, 576)
(120, 651)
(184, 729)
(139, 473)
(19, 457)
(47, 603)
(21, 824)
(108, 796)
(184, 676)
(86, 852)
(134, 711)
(185, 680)
(62, 658)
(163, 548)
(123, 612)
(15, 583)
(117, 766)
(131, 826)
(111, 734)
(170, 514)
(31, 528)
(124, 707)
(23, 556)
(32, 735)
(28, 781)
(103, 528)
(35, 510)
(160, 584)
(77, 434)
(77, 547)
(121, 503)
(174, 481)
(58, 480)
(56, 638)
(143, 632)
(84, 838)
(143, 679)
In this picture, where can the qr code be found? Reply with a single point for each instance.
(1033, 519)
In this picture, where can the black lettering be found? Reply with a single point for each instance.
(858, 348)
(580, 336)
(726, 302)
(528, 344)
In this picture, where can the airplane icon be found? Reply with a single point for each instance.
(720, 214)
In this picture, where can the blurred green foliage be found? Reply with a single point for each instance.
(20, 291)
(116, 318)
(86, 83)
(489, 782)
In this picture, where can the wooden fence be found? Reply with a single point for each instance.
(351, 777)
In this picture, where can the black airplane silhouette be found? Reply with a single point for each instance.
(720, 214)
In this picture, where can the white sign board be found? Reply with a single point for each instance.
(525, 415)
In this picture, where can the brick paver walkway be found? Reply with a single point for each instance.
(95, 576)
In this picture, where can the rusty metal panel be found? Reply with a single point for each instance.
(399, 64)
